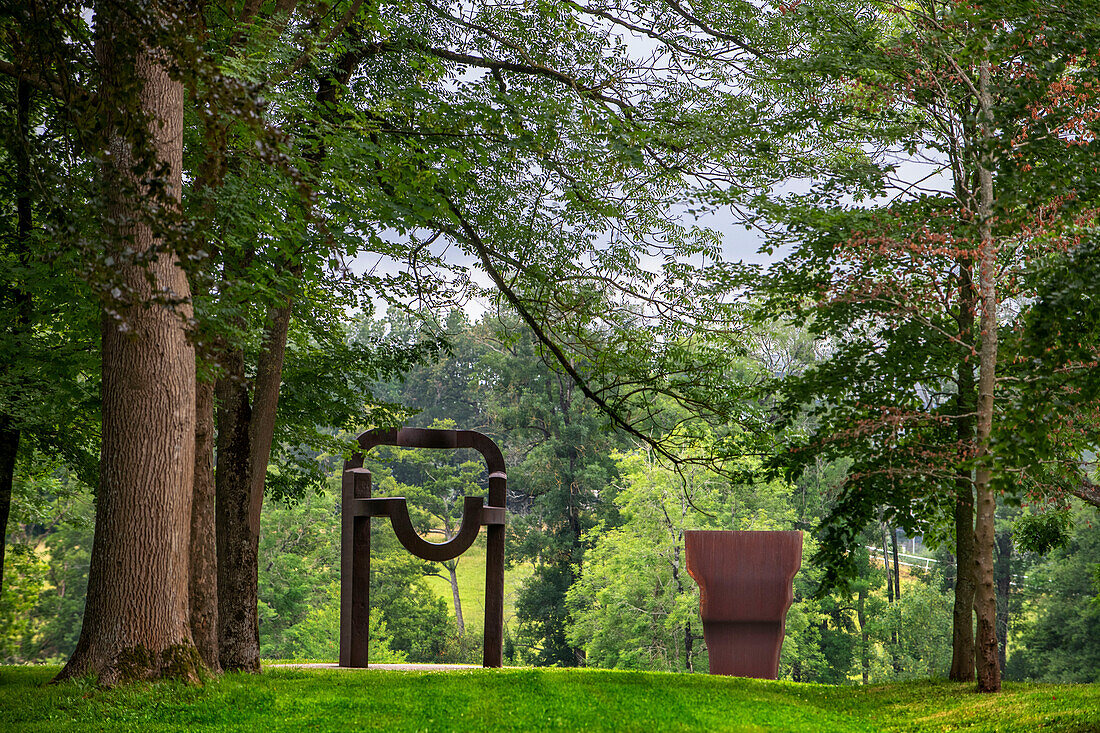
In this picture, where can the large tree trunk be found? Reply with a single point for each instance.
(985, 597)
(136, 620)
(204, 560)
(962, 633)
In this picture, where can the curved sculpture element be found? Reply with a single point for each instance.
(397, 509)
(358, 507)
(745, 588)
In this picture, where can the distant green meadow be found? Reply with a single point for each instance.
(532, 700)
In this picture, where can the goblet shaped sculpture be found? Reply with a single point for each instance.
(745, 588)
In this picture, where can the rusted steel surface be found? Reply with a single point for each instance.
(358, 506)
(745, 588)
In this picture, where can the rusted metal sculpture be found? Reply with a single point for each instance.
(358, 507)
(745, 588)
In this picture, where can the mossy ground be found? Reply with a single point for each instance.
(531, 700)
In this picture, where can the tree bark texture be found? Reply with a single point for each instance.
(245, 435)
(203, 589)
(238, 623)
(962, 632)
(985, 597)
(136, 620)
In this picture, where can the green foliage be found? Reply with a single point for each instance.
(634, 605)
(1057, 641)
(921, 622)
(415, 617)
(46, 572)
(299, 584)
(1054, 411)
(24, 579)
(1040, 533)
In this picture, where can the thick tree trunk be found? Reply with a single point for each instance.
(136, 621)
(962, 633)
(204, 559)
(985, 598)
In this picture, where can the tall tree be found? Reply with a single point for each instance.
(136, 621)
(914, 80)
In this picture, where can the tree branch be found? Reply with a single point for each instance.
(471, 235)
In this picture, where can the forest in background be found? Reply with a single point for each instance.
(196, 196)
(595, 534)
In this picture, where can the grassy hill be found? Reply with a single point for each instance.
(471, 585)
(533, 700)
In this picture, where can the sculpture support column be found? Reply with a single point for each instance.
(745, 588)
(354, 571)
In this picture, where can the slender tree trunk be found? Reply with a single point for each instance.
(136, 620)
(689, 643)
(204, 548)
(1003, 571)
(891, 596)
(962, 633)
(9, 431)
(238, 622)
(864, 638)
(248, 431)
(9, 448)
(204, 557)
(897, 565)
(985, 599)
(269, 377)
(452, 567)
(886, 564)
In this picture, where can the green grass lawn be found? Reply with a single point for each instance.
(532, 700)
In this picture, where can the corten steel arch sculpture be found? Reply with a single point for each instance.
(357, 508)
(745, 588)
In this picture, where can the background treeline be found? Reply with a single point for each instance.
(596, 522)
